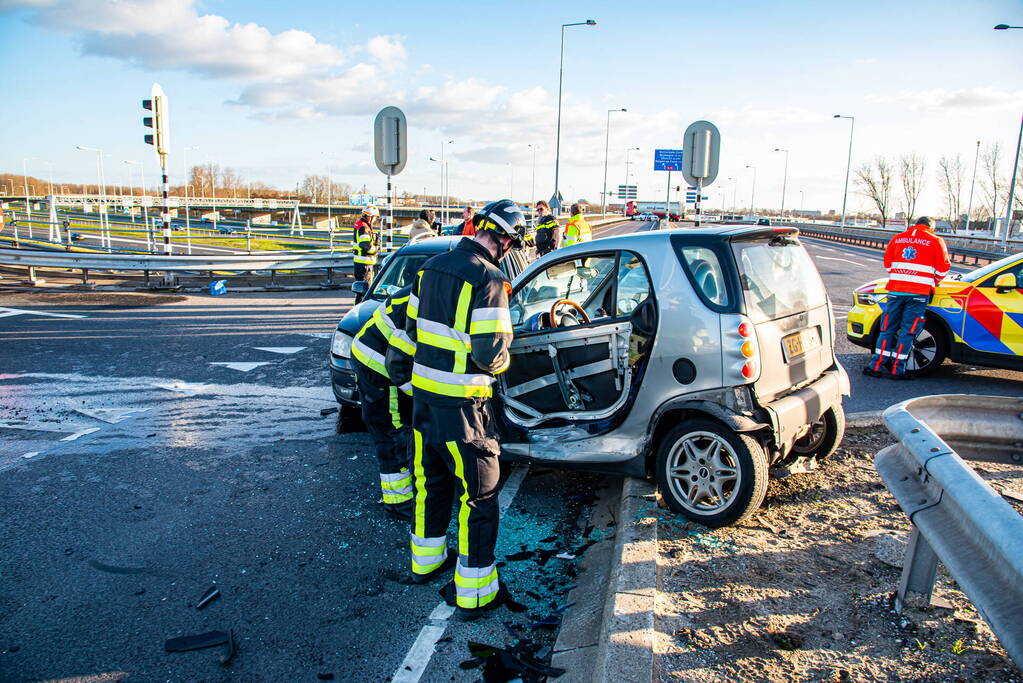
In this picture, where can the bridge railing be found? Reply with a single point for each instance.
(958, 519)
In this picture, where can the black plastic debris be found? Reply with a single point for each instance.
(520, 556)
(202, 641)
(325, 677)
(324, 413)
(549, 539)
(209, 596)
(519, 662)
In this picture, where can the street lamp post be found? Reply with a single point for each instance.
(735, 191)
(848, 162)
(188, 182)
(532, 182)
(785, 180)
(969, 205)
(561, 79)
(753, 191)
(104, 225)
(444, 182)
(628, 151)
(1012, 187)
(800, 201)
(28, 204)
(723, 197)
(142, 176)
(607, 137)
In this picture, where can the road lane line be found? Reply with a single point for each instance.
(19, 311)
(418, 657)
(855, 263)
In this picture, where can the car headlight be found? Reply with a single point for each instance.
(341, 344)
(868, 299)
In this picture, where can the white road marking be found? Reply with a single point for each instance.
(319, 335)
(855, 263)
(18, 311)
(418, 657)
(241, 367)
(281, 349)
(110, 415)
(30, 455)
(84, 432)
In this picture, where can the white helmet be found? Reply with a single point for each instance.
(371, 211)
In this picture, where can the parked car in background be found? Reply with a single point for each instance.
(396, 271)
(646, 217)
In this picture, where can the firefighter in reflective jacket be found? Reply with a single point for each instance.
(577, 230)
(917, 260)
(459, 322)
(386, 408)
(364, 243)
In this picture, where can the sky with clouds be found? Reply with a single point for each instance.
(277, 90)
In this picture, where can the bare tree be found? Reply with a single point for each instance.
(950, 179)
(993, 182)
(911, 172)
(875, 182)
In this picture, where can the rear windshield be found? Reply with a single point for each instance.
(778, 278)
(399, 272)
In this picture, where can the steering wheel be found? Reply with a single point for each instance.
(567, 302)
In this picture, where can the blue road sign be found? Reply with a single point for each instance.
(667, 160)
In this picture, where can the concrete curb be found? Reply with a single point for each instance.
(626, 648)
(867, 418)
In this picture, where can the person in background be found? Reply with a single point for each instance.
(917, 260)
(364, 246)
(577, 230)
(468, 228)
(422, 227)
(548, 230)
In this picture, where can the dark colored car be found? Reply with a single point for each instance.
(398, 270)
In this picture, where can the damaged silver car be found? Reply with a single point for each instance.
(703, 358)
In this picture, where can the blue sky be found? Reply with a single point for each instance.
(268, 88)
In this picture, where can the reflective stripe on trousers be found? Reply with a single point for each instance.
(396, 488)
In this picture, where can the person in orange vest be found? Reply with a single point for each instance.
(577, 230)
(468, 227)
(916, 260)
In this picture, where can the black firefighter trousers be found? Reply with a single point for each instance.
(387, 412)
(455, 450)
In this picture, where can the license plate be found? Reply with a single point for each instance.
(797, 344)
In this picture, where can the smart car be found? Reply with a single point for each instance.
(700, 357)
(975, 318)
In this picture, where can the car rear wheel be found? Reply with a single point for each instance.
(929, 351)
(711, 474)
(824, 436)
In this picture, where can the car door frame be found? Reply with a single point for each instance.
(615, 333)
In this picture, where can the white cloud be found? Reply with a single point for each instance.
(387, 51)
(171, 34)
(962, 99)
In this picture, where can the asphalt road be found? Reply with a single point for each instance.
(154, 445)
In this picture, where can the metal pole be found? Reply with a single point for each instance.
(28, 203)
(131, 189)
(735, 190)
(969, 206)
(557, 143)
(667, 203)
(1012, 188)
(443, 186)
(753, 192)
(213, 196)
(784, 182)
(104, 219)
(532, 183)
(168, 277)
(603, 191)
(390, 213)
(848, 163)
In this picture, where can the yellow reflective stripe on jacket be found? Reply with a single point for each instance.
(456, 384)
(461, 325)
(401, 341)
(490, 321)
(368, 357)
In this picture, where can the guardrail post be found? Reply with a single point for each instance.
(273, 278)
(85, 278)
(919, 569)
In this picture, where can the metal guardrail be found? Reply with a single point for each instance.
(271, 262)
(958, 519)
(879, 240)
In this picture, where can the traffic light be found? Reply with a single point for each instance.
(158, 122)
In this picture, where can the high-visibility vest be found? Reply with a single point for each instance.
(365, 243)
(384, 328)
(916, 260)
(458, 320)
(577, 230)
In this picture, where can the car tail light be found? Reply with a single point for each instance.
(740, 351)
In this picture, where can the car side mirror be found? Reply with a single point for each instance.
(1006, 282)
(360, 287)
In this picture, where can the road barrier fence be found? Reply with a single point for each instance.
(958, 519)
